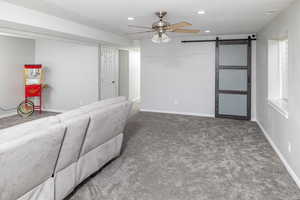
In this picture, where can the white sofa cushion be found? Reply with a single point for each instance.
(76, 128)
(27, 160)
(102, 103)
(65, 181)
(98, 157)
(42, 192)
(28, 127)
(90, 107)
(70, 114)
(105, 124)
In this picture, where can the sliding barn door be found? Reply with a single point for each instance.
(233, 79)
(109, 72)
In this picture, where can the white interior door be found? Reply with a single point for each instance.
(109, 72)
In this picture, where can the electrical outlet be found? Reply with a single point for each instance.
(176, 102)
(289, 147)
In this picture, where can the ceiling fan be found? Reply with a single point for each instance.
(161, 27)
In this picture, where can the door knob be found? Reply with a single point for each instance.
(113, 82)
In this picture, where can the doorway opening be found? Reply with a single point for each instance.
(120, 73)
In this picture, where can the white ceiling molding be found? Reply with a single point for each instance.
(15, 18)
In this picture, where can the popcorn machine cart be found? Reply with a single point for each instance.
(33, 75)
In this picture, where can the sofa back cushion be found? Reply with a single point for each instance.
(21, 129)
(102, 103)
(70, 114)
(105, 124)
(76, 128)
(90, 107)
(27, 160)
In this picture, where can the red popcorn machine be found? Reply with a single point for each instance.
(34, 84)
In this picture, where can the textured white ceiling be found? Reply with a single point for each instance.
(222, 16)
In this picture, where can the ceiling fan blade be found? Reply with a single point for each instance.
(186, 31)
(140, 32)
(145, 27)
(179, 25)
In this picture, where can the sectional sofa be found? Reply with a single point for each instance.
(47, 158)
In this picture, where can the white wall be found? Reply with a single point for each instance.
(124, 73)
(180, 78)
(14, 53)
(130, 73)
(72, 72)
(280, 130)
(134, 74)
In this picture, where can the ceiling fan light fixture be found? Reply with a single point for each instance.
(160, 38)
(165, 38)
(156, 38)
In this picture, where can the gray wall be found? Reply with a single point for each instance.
(14, 53)
(280, 130)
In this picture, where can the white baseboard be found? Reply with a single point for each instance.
(283, 160)
(8, 114)
(178, 113)
(185, 113)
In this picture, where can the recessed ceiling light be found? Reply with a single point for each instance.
(201, 12)
(130, 18)
(207, 31)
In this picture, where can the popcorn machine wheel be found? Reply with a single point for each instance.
(26, 108)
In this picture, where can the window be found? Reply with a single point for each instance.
(278, 75)
(283, 67)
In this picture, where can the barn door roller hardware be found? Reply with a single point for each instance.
(252, 37)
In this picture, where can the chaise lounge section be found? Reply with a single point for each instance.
(47, 158)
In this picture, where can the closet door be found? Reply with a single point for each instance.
(109, 72)
(233, 79)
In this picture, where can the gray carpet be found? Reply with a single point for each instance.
(16, 119)
(173, 157)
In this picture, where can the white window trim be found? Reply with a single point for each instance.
(282, 72)
(280, 106)
(276, 100)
